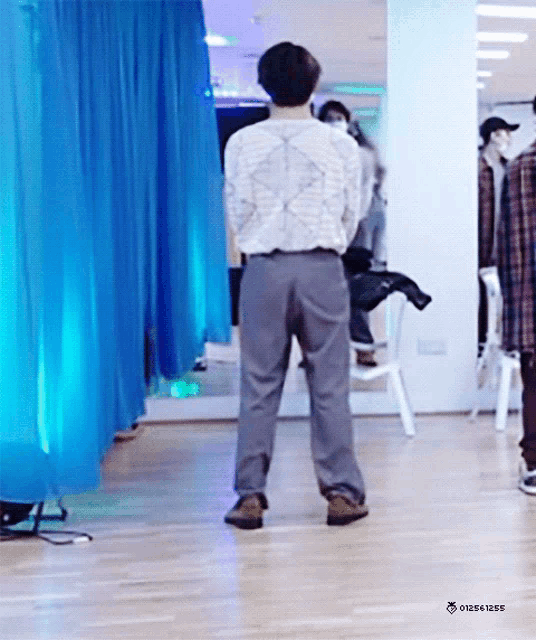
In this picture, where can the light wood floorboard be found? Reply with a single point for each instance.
(447, 523)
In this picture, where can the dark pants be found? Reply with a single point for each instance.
(528, 375)
(235, 277)
(359, 326)
(482, 313)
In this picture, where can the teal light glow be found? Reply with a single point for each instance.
(358, 89)
(183, 389)
(41, 397)
(215, 40)
(365, 113)
(228, 91)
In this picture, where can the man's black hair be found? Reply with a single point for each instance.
(333, 105)
(289, 74)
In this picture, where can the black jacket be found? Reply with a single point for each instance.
(369, 288)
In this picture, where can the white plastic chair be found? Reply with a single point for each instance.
(396, 305)
(510, 362)
(493, 358)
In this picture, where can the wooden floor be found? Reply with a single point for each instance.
(447, 524)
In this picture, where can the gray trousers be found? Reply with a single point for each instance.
(305, 294)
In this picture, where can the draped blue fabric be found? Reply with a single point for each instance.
(112, 224)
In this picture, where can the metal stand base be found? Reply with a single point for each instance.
(7, 533)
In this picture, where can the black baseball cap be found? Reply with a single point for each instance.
(494, 124)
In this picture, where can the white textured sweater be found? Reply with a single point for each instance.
(292, 185)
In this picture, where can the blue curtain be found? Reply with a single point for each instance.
(112, 225)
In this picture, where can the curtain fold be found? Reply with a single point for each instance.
(192, 175)
(22, 440)
(112, 226)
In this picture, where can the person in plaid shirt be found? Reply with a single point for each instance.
(496, 134)
(516, 263)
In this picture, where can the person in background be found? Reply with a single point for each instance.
(337, 115)
(370, 234)
(371, 230)
(496, 134)
(292, 196)
(332, 112)
(516, 262)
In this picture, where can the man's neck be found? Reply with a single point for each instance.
(303, 112)
(491, 154)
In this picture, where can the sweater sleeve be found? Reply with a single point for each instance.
(231, 187)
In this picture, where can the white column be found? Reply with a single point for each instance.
(432, 192)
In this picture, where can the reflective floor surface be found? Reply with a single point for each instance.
(447, 524)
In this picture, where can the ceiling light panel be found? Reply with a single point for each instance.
(492, 54)
(490, 36)
(504, 11)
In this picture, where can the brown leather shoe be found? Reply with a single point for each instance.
(247, 512)
(366, 358)
(343, 510)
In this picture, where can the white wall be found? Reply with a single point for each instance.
(432, 191)
(431, 141)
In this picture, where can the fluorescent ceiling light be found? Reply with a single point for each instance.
(503, 11)
(480, 85)
(488, 36)
(492, 54)
(484, 74)
(214, 40)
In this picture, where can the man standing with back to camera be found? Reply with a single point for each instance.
(516, 261)
(292, 200)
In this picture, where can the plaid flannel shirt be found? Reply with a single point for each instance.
(517, 253)
(486, 212)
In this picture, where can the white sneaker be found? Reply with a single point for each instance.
(527, 479)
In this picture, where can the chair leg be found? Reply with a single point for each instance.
(474, 412)
(406, 413)
(501, 413)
